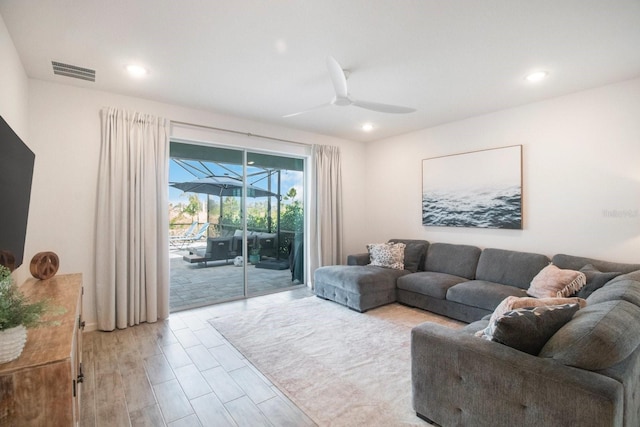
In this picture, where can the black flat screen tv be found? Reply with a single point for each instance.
(16, 174)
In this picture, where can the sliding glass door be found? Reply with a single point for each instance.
(236, 224)
(275, 223)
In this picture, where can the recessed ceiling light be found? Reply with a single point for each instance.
(537, 76)
(367, 127)
(137, 70)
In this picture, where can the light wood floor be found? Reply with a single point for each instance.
(181, 372)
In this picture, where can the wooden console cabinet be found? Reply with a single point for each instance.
(41, 387)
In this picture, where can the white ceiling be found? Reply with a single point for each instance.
(262, 59)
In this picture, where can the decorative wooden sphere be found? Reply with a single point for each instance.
(44, 265)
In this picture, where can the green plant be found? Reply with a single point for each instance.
(292, 217)
(255, 251)
(193, 207)
(15, 308)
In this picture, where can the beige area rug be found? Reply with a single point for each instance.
(342, 368)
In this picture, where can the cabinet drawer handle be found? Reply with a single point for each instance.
(80, 374)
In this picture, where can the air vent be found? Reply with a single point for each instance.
(73, 71)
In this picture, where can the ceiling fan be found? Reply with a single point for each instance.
(342, 97)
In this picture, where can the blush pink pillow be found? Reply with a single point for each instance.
(553, 282)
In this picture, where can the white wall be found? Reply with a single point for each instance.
(64, 129)
(581, 175)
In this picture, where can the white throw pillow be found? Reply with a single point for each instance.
(389, 255)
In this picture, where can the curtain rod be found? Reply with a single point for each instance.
(237, 132)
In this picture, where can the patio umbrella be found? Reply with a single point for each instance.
(221, 186)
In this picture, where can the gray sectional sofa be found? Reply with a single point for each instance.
(458, 281)
(587, 374)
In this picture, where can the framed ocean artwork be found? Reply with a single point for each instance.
(480, 189)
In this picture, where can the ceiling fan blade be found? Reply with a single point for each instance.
(317, 107)
(382, 108)
(338, 78)
(342, 98)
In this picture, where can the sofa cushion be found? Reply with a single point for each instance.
(414, 253)
(509, 267)
(552, 281)
(595, 280)
(573, 262)
(429, 283)
(528, 329)
(598, 336)
(625, 290)
(482, 294)
(390, 255)
(513, 303)
(634, 275)
(359, 259)
(458, 260)
(358, 279)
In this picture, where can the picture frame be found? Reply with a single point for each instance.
(479, 189)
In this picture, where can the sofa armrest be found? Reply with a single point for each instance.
(358, 259)
(460, 379)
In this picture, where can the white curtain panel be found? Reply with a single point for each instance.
(132, 236)
(326, 222)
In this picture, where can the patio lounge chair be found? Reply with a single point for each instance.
(202, 232)
(178, 240)
(181, 241)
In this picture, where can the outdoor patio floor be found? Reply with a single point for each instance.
(197, 285)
